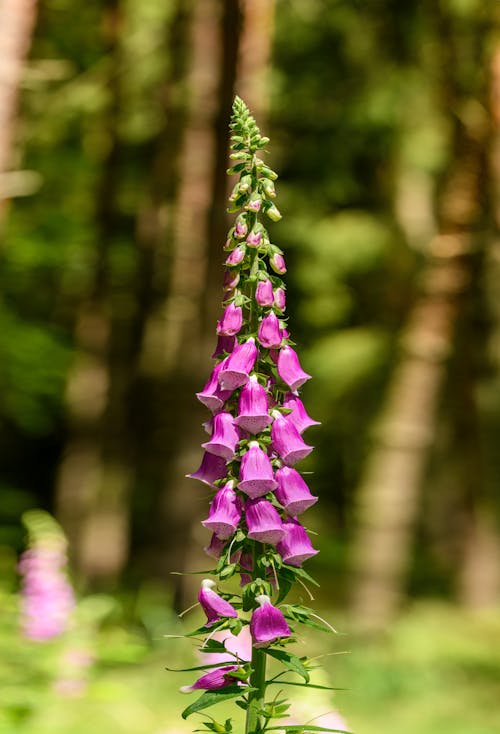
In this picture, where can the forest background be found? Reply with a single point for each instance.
(384, 119)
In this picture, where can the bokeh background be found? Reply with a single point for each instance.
(384, 119)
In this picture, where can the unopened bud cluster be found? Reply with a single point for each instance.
(258, 419)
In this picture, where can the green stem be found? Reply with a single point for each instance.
(256, 699)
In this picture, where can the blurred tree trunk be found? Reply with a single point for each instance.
(479, 579)
(92, 481)
(17, 20)
(388, 497)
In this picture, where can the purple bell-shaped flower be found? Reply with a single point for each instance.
(263, 521)
(231, 320)
(286, 440)
(210, 470)
(214, 606)
(215, 547)
(267, 624)
(224, 438)
(213, 395)
(215, 679)
(289, 369)
(264, 293)
(269, 333)
(292, 492)
(256, 472)
(299, 417)
(238, 365)
(253, 410)
(295, 548)
(224, 513)
(224, 344)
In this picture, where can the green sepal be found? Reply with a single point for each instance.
(290, 661)
(210, 698)
(236, 169)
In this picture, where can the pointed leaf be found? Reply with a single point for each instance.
(210, 698)
(290, 661)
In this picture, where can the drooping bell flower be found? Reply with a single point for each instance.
(289, 369)
(277, 262)
(287, 441)
(224, 438)
(264, 293)
(214, 606)
(269, 333)
(292, 491)
(215, 547)
(299, 417)
(213, 395)
(256, 472)
(210, 470)
(213, 680)
(279, 299)
(236, 256)
(263, 521)
(253, 410)
(231, 320)
(268, 623)
(224, 344)
(295, 548)
(238, 365)
(224, 513)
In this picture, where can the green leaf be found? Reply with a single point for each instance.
(279, 682)
(290, 661)
(304, 728)
(210, 698)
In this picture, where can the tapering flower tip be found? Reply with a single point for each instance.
(287, 441)
(299, 417)
(277, 262)
(256, 473)
(289, 369)
(240, 228)
(224, 438)
(267, 624)
(224, 513)
(213, 680)
(225, 344)
(295, 548)
(269, 333)
(238, 365)
(254, 239)
(279, 299)
(215, 547)
(263, 521)
(264, 293)
(231, 320)
(236, 256)
(210, 470)
(292, 492)
(253, 411)
(214, 606)
(213, 395)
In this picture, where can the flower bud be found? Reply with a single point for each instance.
(231, 320)
(264, 293)
(268, 187)
(254, 239)
(269, 333)
(236, 256)
(231, 279)
(240, 227)
(254, 203)
(273, 213)
(280, 298)
(277, 262)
